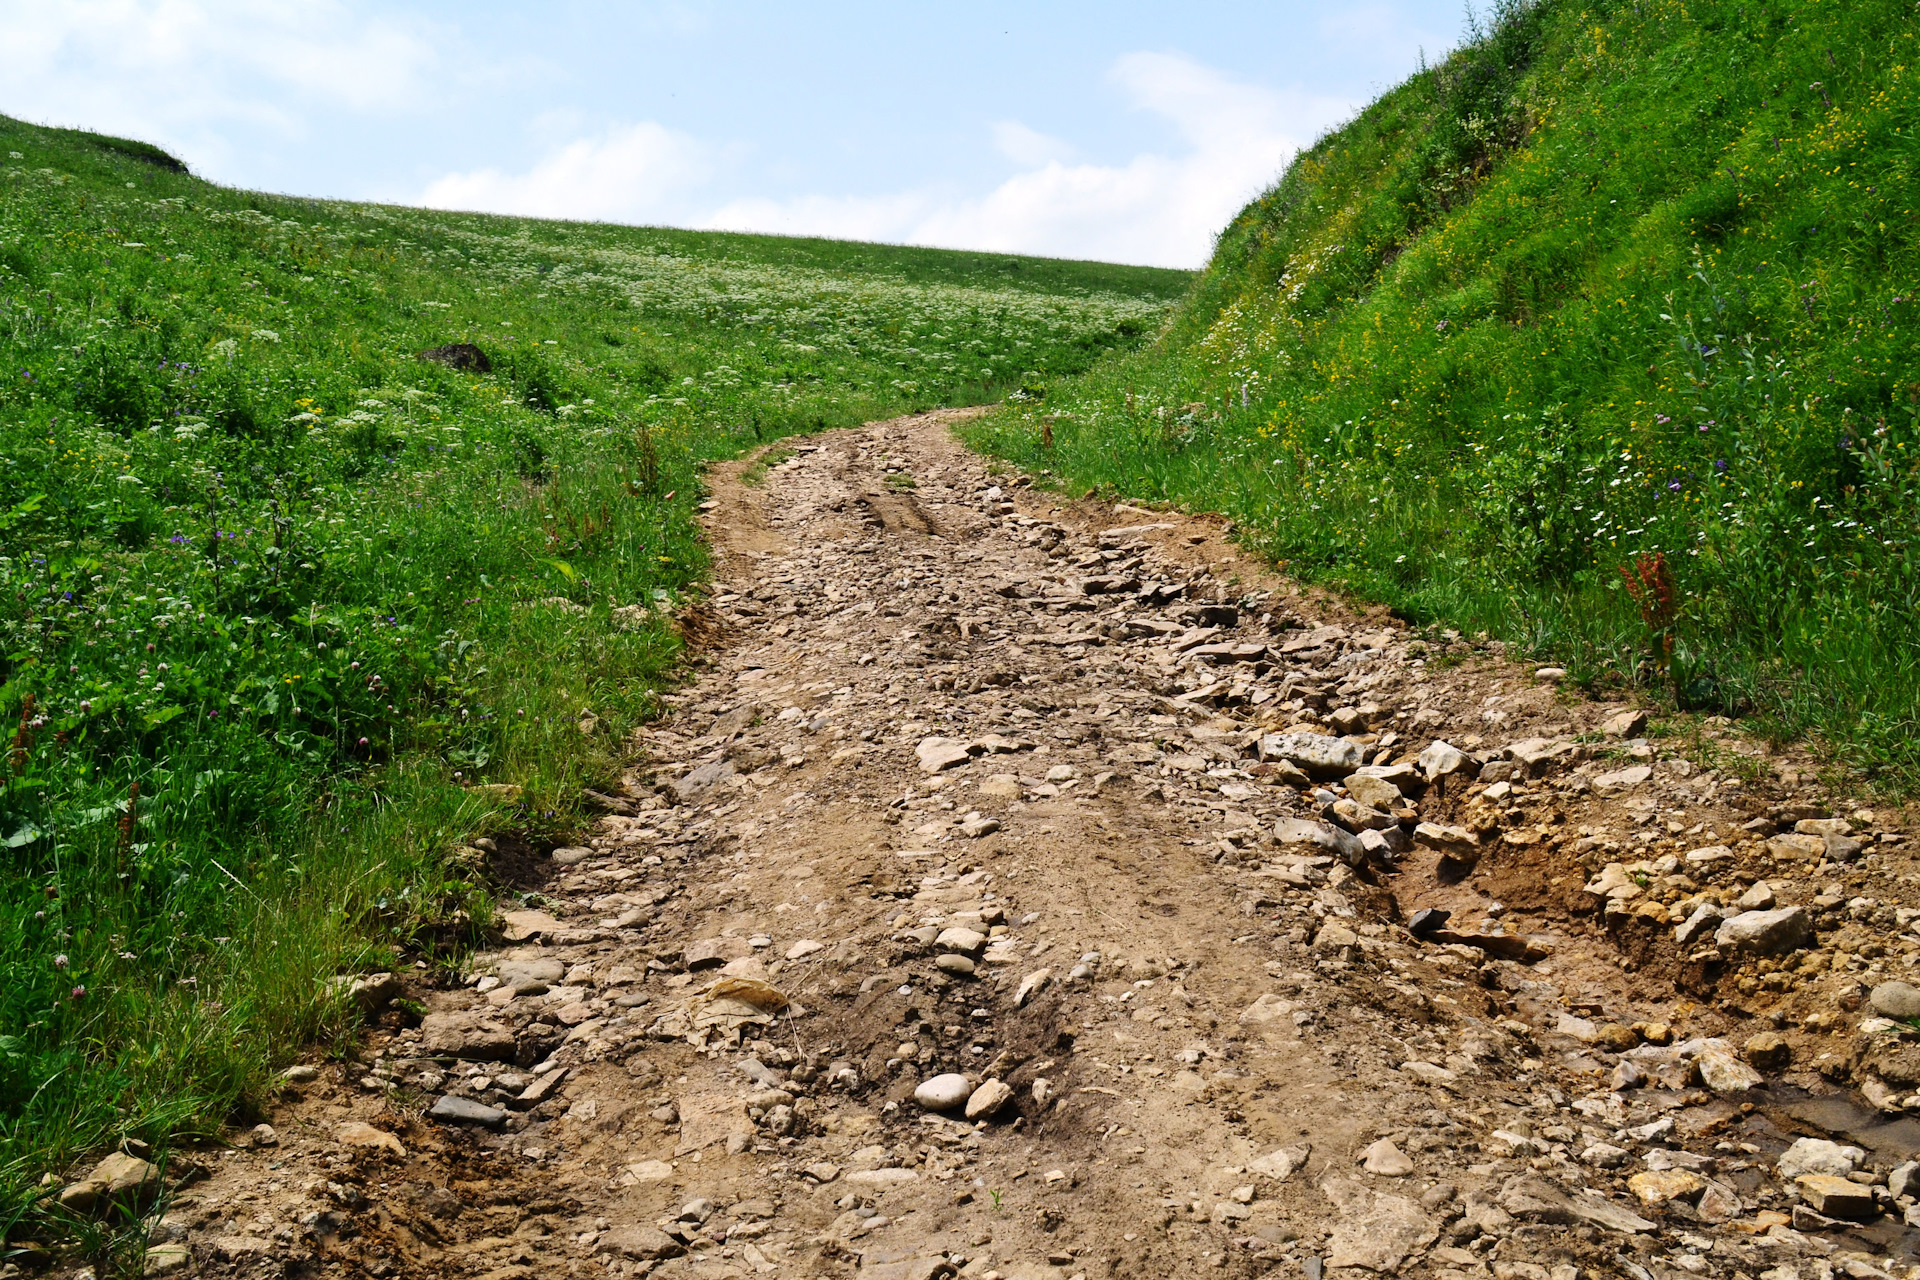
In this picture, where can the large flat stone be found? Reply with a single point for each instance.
(936, 754)
(1532, 1198)
(452, 1110)
(1320, 837)
(644, 1244)
(465, 1035)
(1375, 1232)
(1375, 793)
(517, 973)
(126, 1175)
(523, 926)
(1455, 841)
(931, 1267)
(1623, 779)
(697, 782)
(1766, 932)
(1539, 756)
(712, 953)
(1837, 1197)
(358, 1133)
(1818, 1155)
(1794, 846)
(540, 1090)
(1319, 755)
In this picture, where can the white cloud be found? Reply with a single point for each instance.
(1382, 29)
(1027, 146)
(1155, 208)
(184, 71)
(632, 173)
(216, 80)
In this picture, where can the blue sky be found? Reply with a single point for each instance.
(1122, 131)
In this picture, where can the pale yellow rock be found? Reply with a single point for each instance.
(1666, 1184)
(1386, 1160)
(358, 1133)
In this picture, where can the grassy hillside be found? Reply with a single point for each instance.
(275, 594)
(1601, 337)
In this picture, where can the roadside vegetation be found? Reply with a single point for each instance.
(290, 614)
(1599, 337)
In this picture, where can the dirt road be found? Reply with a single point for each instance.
(1024, 889)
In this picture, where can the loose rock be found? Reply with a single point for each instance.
(356, 1133)
(987, 1101)
(1897, 1000)
(454, 1110)
(943, 1092)
(1385, 1159)
(1765, 932)
(1818, 1155)
(936, 754)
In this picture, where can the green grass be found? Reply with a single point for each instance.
(1617, 281)
(755, 473)
(275, 594)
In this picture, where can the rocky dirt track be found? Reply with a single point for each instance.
(1030, 889)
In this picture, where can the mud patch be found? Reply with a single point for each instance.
(520, 865)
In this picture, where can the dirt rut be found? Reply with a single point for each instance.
(1078, 804)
